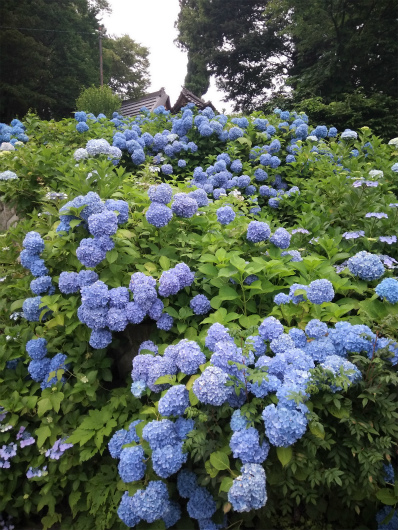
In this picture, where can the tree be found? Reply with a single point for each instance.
(49, 51)
(238, 45)
(329, 49)
(125, 66)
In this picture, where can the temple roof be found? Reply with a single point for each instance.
(131, 107)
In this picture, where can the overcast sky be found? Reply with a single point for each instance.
(151, 23)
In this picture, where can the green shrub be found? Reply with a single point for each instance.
(333, 475)
(98, 100)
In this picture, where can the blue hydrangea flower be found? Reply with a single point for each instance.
(42, 285)
(156, 309)
(235, 133)
(245, 444)
(95, 295)
(31, 309)
(189, 356)
(103, 223)
(100, 338)
(161, 193)
(160, 433)
(184, 206)
(116, 319)
(248, 491)
(283, 426)
(119, 206)
(388, 290)
(281, 238)
(33, 242)
(183, 427)
(158, 214)
(316, 329)
(126, 511)
(168, 283)
(200, 304)
(296, 299)
(36, 348)
(134, 312)
(210, 387)
(270, 328)
(258, 231)
(118, 297)
(216, 333)
(366, 266)
(68, 282)
(201, 504)
(281, 299)
(320, 291)
(184, 274)
(151, 504)
(168, 460)
(131, 466)
(186, 483)
(172, 514)
(238, 422)
(174, 402)
(165, 322)
(225, 215)
(39, 369)
(89, 253)
(200, 196)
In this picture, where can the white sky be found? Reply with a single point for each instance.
(151, 23)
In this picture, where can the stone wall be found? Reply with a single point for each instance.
(8, 217)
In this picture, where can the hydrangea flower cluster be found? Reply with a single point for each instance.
(366, 266)
(40, 366)
(388, 290)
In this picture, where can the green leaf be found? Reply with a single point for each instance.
(228, 293)
(387, 496)
(226, 484)
(238, 263)
(210, 469)
(191, 381)
(317, 429)
(192, 398)
(284, 455)
(216, 302)
(17, 304)
(250, 321)
(42, 434)
(219, 460)
(209, 270)
(165, 379)
(111, 256)
(164, 263)
(43, 406)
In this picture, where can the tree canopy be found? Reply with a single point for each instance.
(323, 48)
(49, 51)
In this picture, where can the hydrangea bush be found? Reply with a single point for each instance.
(199, 319)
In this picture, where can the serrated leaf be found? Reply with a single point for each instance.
(219, 460)
(164, 263)
(228, 293)
(284, 455)
(317, 429)
(250, 321)
(111, 256)
(387, 496)
(209, 270)
(226, 484)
